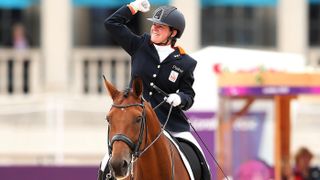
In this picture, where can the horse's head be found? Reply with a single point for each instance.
(127, 123)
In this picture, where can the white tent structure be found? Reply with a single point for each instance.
(234, 60)
(213, 58)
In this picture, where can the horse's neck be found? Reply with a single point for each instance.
(157, 160)
(160, 152)
(161, 145)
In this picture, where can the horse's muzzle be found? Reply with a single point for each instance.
(119, 167)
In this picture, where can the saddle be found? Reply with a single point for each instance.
(196, 160)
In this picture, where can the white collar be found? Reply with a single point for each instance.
(163, 51)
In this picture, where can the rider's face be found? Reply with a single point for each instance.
(160, 33)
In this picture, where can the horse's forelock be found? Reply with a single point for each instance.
(126, 93)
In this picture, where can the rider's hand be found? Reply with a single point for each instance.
(174, 99)
(140, 5)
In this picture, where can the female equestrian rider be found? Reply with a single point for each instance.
(156, 60)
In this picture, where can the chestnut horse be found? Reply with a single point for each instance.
(137, 146)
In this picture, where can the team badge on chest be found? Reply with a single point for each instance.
(173, 76)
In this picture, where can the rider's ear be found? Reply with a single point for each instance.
(111, 89)
(137, 86)
(174, 33)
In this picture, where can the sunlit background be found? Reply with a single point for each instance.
(53, 54)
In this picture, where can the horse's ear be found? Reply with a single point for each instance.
(111, 89)
(137, 86)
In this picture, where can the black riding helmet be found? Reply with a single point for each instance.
(170, 16)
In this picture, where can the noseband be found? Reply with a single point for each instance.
(121, 137)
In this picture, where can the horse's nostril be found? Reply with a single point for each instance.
(119, 167)
(125, 164)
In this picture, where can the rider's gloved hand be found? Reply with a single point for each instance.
(140, 5)
(174, 99)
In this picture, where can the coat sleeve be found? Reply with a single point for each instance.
(186, 91)
(116, 25)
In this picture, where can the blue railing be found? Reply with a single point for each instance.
(112, 3)
(19, 4)
(239, 2)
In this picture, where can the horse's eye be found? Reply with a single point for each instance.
(107, 118)
(138, 119)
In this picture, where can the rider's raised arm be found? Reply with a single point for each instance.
(116, 24)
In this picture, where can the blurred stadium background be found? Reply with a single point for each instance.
(53, 102)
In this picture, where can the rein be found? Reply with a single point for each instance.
(196, 132)
(162, 129)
